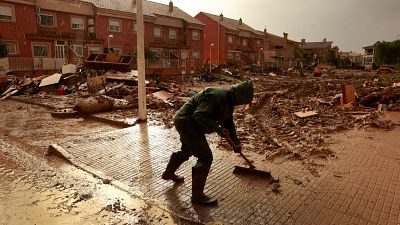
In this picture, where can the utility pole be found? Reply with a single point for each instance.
(141, 60)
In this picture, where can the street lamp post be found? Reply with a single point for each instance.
(211, 45)
(259, 58)
(108, 41)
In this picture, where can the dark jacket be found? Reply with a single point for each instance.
(212, 108)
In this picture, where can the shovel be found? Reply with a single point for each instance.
(252, 169)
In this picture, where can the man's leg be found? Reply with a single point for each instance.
(200, 171)
(179, 157)
(176, 160)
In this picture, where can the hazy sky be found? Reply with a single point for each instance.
(350, 24)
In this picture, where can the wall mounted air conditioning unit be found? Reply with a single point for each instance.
(37, 10)
(91, 29)
(90, 22)
(91, 32)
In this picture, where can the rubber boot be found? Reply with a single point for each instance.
(169, 173)
(199, 180)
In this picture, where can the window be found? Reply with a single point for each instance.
(172, 34)
(11, 48)
(157, 52)
(195, 35)
(6, 13)
(230, 55)
(258, 43)
(230, 39)
(78, 50)
(46, 20)
(245, 42)
(114, 25)
(41, 50)
(157, 32)
(184, 54)
(237, 56)
(134, 27)
(77, 23)
(117, 51)
(196, 54)
(94, 50)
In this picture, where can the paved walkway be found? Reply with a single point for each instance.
(360, 186)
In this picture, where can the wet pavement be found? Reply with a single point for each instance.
(359, 184)
(38, 189)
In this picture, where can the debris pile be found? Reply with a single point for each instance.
(294, 110)
(292, 117)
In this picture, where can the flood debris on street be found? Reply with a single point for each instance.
(293, 115)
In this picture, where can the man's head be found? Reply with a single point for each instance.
(242, 93)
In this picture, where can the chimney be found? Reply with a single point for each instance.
(265, 31)
(285, 36)
(303, 41)
(240, 21)
(171, 6)
(324, 40)
(221, 17)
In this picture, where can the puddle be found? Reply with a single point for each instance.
(27, 198)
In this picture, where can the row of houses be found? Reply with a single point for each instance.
(45, 34)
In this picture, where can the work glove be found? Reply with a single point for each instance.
(223, 132)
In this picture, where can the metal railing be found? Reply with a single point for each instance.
(25, 64)
(172, 63)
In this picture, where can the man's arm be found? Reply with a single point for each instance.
(202, 115)
(229, 124)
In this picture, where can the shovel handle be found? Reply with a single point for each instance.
(231, 143)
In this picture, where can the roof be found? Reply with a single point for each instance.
(231, 24)
(163, 10)
(149, 8)
(371, 46)
(276, 36)
(316, 45)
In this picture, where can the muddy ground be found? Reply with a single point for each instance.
(39, 189)
(36, 189)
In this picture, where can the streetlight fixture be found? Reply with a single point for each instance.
(108, 41)
(211, 45)
(259, 55)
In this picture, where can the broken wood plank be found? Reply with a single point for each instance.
(306, 114)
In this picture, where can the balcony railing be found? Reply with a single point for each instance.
(172, 63)
(27, 64)
(166, 41)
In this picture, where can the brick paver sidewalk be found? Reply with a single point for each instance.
(361, 186)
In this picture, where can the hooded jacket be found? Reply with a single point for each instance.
(212, 109)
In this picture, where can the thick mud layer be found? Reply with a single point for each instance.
(37, 189)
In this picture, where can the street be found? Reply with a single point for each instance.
(36, 189)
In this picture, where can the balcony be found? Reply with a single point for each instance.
(168, 42)
(60, 34)
(30, 64)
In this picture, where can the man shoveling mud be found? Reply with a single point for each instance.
(209, 111)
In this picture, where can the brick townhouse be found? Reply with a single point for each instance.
(232, 41)
(279, 51)
(45, 34)
(320, 52)
(229, 40)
